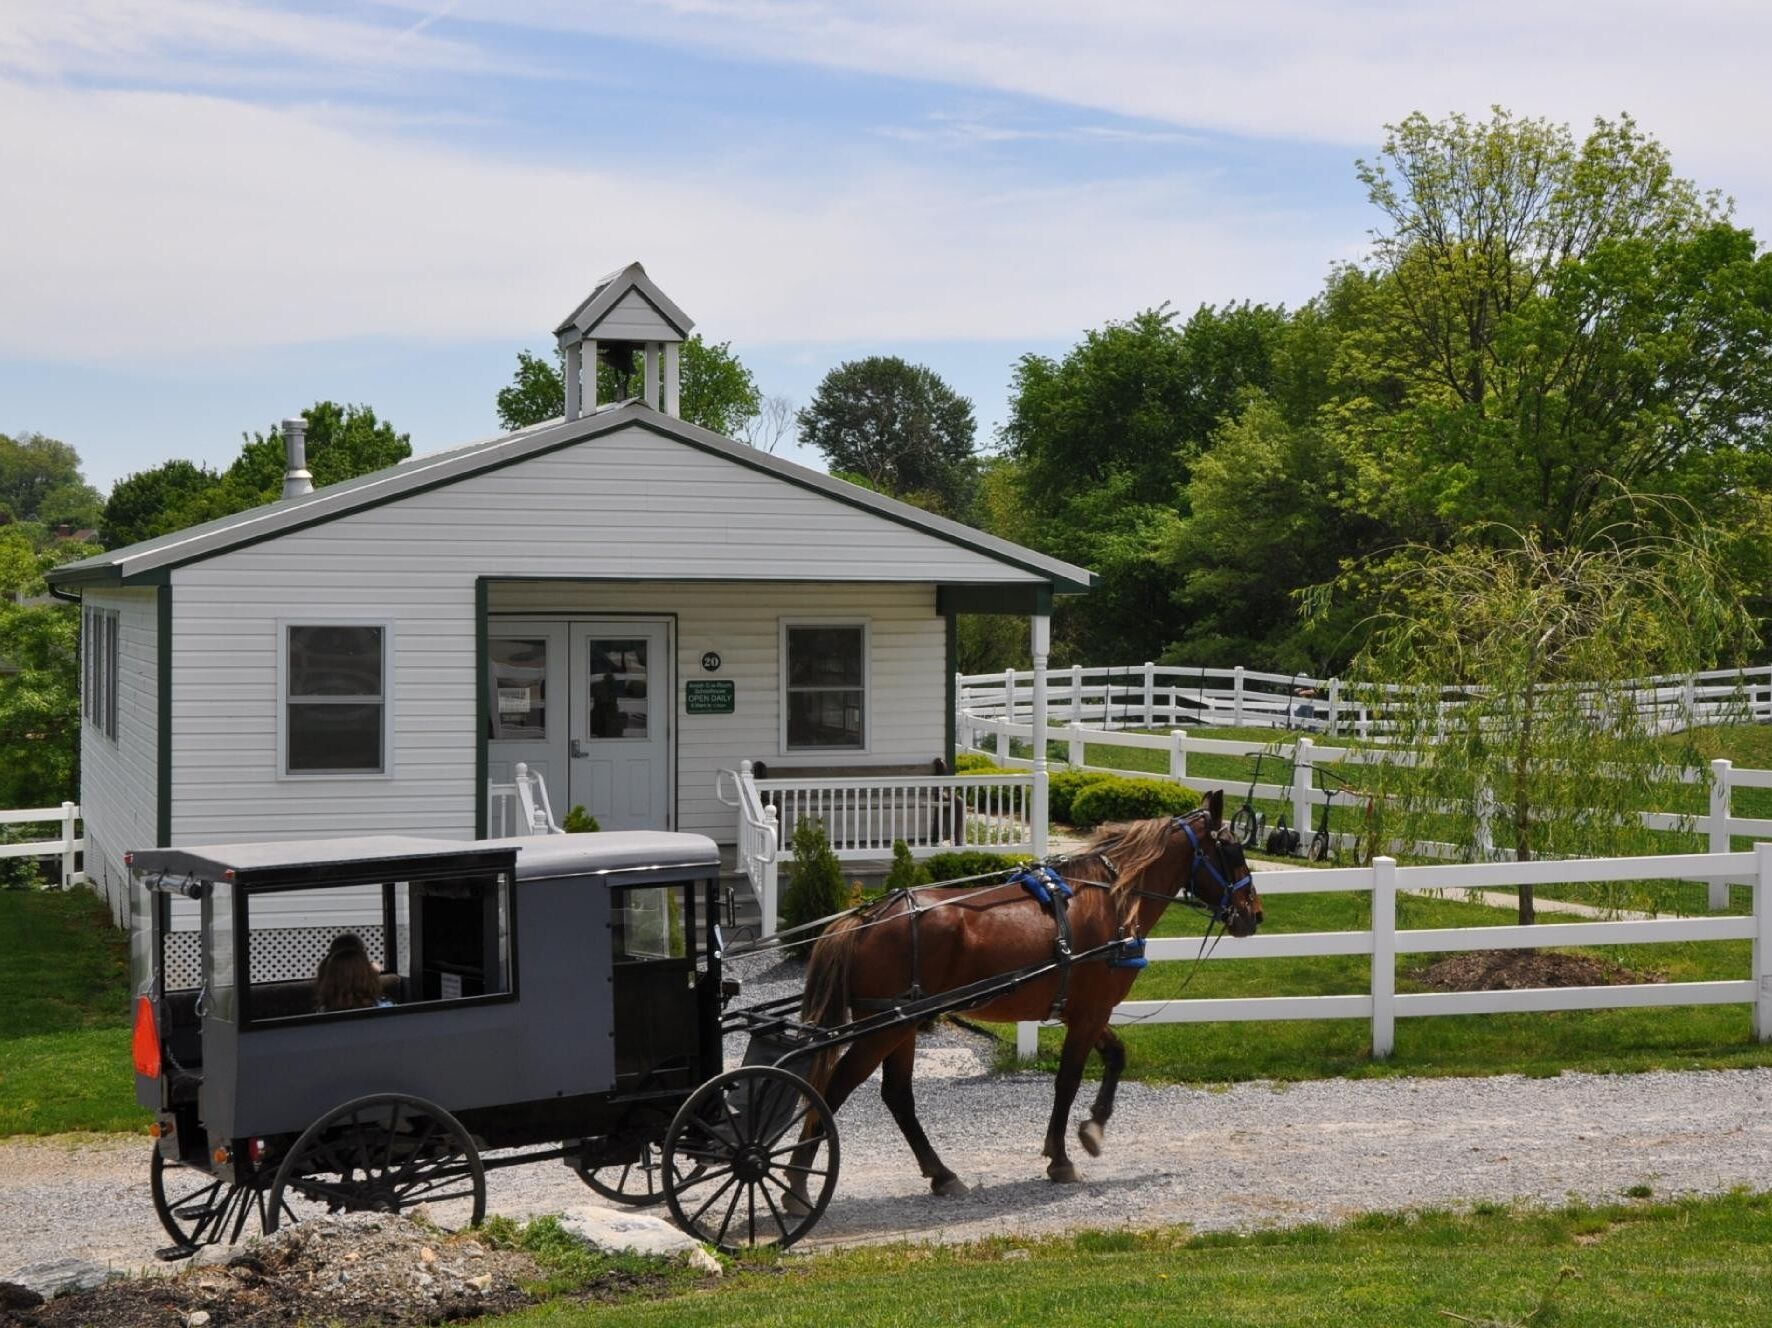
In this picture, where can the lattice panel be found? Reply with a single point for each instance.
(289, 953)
(183, 958)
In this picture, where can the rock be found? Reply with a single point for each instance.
(703, 1262)
(637, 1233)
(481, 1283)
(197, 1319)
(16, 1297)
(59, 1277)
(207, 1256)
(427, 1255)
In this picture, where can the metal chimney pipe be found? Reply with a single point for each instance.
(296, 479)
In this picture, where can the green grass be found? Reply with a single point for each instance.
(1601, 1041)
(1701, 1262)
(64, 1016)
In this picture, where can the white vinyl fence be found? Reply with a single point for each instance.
(67, 843)
(1146, 696)
(1383, 1006)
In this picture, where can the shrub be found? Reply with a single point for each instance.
(1115, 799)
(960, 863)
(974, 763)
(816, 888)
(1062, 787)
(906, 870)
(579, 821)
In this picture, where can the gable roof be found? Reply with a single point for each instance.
(608, 293)
(150, 561)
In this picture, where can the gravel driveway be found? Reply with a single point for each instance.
(1255, 1155)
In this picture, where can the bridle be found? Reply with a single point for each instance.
(1219, 914)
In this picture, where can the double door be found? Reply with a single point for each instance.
(587, 704)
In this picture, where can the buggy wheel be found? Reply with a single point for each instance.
(1320, 848)
(197, 1209)
(751, 1159)
(1246, 825)
(383, 1154)
(638, 1183)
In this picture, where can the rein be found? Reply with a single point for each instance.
(1220, 914)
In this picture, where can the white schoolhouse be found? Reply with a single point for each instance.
(625, 602)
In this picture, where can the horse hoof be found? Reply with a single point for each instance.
(1062, 1173)
(1090, 1135)
(948, 1186)
(795, 1205)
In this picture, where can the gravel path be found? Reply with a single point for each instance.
(1255, 1155)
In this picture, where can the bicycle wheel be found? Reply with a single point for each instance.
(1246, 825)
(1320, 847)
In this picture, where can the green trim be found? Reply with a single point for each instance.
(617, 420)
(953, 694)
(482, 671)
(163, 752)
(1017, 598)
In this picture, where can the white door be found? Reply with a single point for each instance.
(620, 765)
(526, 715)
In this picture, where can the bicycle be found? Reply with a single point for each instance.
(1247, 822)
(1322, 847)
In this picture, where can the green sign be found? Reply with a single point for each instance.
(709, 696)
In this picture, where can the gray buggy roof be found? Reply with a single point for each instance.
(607, 853)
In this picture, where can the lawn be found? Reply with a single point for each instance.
(1700, 1262)
(64, 1016)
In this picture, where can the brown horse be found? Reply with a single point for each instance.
(934, 940)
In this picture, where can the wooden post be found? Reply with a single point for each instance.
(1007, 717)
(1076, 693)
(1721, 800)
(1177, 755)
(1763, 941)
(673, 380)
(1078, 755)
(1150, 695)
(771, 878)
(1384, 957)
(1027, 1041)
(1334, 706)
(574, 359)
(1301, 790)
(70, 813)
(651, 377)
(588, 396)
(1041, 639)
(1237, 697)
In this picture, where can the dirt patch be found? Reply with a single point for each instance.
(351, 1269)
(1510, 970)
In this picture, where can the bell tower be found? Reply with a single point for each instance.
(626, 317)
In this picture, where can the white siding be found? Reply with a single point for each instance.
(630, 505)
(118, 778)
(632, 319)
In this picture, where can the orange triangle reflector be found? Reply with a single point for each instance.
(147, 1039)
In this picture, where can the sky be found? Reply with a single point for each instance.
(215, 213)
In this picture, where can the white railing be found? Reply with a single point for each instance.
(1383, 942)
(67, 845)
(1172, 695)
(520, 807)
(865, 816)
(1298, 760)
(759, 838)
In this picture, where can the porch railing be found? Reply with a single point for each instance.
(67, 843)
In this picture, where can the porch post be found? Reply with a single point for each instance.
(574, 361)
(1042, 643)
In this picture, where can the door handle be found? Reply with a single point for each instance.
(579, 750)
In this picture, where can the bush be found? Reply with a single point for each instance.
(975, 763)
(906, 871)
(815, 888)
(967, 862)
(579, 821)
(1115, 799)
(1062, 787)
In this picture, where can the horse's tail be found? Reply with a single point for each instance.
(825, 1003)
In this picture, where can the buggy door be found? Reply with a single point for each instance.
(657, 1001)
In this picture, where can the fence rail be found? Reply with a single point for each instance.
(68, 845)
(1172, 695)
(1383, 942)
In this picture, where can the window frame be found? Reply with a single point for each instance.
(385, 700)
(101, 668)
(785, 688)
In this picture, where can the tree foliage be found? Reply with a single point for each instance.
(41, 483)
(717, 390)
(40, 683)
(900, 428)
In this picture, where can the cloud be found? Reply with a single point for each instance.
(155, 224)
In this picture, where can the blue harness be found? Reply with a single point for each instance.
(1042, 882)
(1227, 890)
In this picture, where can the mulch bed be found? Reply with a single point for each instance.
(1510, 970)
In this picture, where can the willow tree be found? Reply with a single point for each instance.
(1507, 665)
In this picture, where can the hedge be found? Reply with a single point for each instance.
(1115, 799)
(1062, 787)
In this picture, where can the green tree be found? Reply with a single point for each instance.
(717, 390)
(41, 481)
(141, 504)
(899, 427)
(40, 679)
(1545, 751)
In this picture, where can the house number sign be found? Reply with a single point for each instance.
(709, 696)
(711, 661)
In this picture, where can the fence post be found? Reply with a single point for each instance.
(1485, 824)
(1689, 701)
(1177, 755)
(1334, 706)
(767, 887)
(1301, 789)
(1076, 693)
(1027, 1040)
(1150, 695)
(1721, 798)
(1078, 757)
(1237, 697)
(1384, 957)
(1008, 715)
(70, 810)
(1763, 942)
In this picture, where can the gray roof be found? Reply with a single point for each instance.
(607, 293)
(149, 562)
(213, 862)
(608, 852)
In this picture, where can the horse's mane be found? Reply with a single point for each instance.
(1131, 848)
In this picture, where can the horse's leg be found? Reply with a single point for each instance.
(1113, 1062)
(1078, 1041)
(895, 1090)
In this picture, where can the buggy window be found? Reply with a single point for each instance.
(339, 949)
(649, 923)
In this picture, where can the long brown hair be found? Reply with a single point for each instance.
(346, 980)
(1134, 848)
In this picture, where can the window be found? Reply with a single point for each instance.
(519, 689)
(101, 638)
(335, 717)
(825, 672)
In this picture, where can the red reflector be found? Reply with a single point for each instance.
(147, 1039)
(129, 859)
